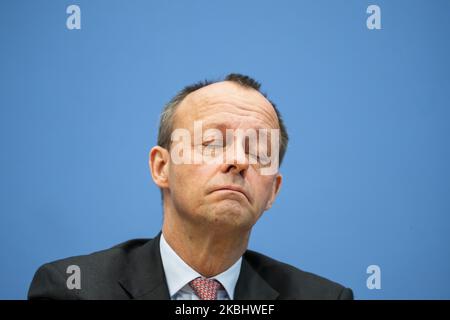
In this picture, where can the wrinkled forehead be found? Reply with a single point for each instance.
(227, 104)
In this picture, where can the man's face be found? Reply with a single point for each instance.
(225, 195)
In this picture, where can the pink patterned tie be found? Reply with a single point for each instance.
(205, 289)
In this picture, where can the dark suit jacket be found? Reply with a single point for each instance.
(134, 270)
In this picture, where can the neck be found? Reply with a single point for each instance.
(209, 250)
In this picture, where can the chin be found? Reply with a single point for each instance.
(231, 213)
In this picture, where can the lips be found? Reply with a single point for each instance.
(233, 188)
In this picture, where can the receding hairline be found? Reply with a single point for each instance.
(167, 117)
(191, 97)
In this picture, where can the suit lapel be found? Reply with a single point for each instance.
(251, 286)
(144, 276)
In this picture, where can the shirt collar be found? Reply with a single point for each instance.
(179, 273)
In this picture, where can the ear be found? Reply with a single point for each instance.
(275, 189)
(159, 166)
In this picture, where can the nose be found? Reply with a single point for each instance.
(236, 160)
(235, 168)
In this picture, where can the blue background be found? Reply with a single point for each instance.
(366, 176)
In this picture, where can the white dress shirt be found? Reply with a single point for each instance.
(179, 274)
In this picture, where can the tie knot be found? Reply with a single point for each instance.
(205, 289)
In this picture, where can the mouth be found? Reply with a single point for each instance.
(232, 188)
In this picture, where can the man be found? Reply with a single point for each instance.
(214, 165)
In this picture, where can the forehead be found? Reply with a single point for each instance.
(227, 103)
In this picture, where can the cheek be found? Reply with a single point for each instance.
(263, 189)
(179, 178)
(189, 179)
